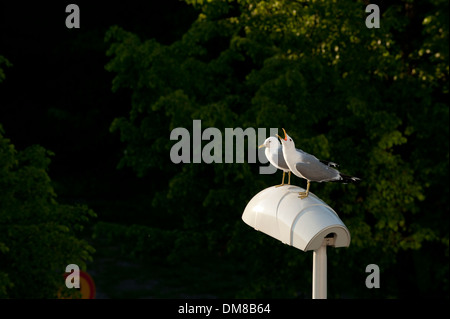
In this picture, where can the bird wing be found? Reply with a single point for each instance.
(328, 163)
(316, 171)
(277, 158)
(280, 159)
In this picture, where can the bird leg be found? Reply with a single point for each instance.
(289, 182)
(306, 193)
(282, 182)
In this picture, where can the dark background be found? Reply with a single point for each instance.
(58, 94)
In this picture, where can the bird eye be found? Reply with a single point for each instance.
(290, 139)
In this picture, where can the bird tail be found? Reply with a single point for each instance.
(348, 179)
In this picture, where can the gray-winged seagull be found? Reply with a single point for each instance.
(309, 167)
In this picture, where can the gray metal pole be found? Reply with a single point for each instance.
(319, 289)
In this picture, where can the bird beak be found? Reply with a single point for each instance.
(285, 135)
(279, 136)
(262, 145)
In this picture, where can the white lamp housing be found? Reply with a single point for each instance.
(303, 223)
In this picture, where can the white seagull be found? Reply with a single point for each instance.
(275, 156)
(309, 167)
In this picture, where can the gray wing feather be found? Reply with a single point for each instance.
(277, 159)
(328, 163)
(316, 171)
(280, 160)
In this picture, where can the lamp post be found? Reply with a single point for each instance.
(307, 224)
(319, 287)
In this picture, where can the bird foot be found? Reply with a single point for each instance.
(280, 185)
(303, 195)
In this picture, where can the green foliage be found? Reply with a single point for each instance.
(137, 241)
(4, 61)
(370, 99)
(38, 236)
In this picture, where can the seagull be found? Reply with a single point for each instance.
(274, 154)
(309, 167)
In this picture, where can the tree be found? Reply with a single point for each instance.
(373, 100)
(38, 236)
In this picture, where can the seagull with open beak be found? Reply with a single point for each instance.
(309, 167)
